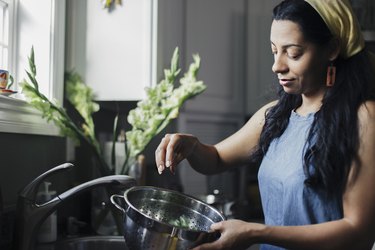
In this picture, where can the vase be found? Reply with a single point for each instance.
(105, 220)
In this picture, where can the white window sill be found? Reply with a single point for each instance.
(17, 116)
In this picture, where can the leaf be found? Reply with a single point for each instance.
(33, 80)
(11, 79)
(32, 73)
(174, 61)
(113, 153)
(32, 62)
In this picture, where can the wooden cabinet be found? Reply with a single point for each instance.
(365, 12)
(260, 78)
(210, 129)
(216, 29)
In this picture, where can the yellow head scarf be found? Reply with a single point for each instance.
(341, 21)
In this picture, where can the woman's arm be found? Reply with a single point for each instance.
(211, 159)
(355, 231)
(232, 151)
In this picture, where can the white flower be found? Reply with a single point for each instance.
(162, 104)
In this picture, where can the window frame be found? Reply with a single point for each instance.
(10, 5)
(16, 115)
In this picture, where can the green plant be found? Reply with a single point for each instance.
(149, 118)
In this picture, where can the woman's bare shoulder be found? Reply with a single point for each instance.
(259, 116)
(366, 112)
(237, 147)
(270, 104)
(366, 122)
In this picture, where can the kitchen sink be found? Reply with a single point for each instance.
(87, 243)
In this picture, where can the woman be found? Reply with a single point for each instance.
(316, 143)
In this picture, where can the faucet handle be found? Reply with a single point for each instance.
(30, 191)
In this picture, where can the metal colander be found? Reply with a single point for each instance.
(157, 218)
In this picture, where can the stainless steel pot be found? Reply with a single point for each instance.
(157, 219)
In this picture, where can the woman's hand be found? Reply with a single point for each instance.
(172, 149)
(235, 234)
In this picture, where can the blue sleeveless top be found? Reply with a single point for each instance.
(286, 201)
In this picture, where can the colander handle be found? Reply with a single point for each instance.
(113, 201)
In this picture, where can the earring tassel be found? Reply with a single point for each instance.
(331, 76)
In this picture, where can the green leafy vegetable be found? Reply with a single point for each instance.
(182, 221)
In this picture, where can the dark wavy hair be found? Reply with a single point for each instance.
(333, 139)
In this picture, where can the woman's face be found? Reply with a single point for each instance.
(300, 65)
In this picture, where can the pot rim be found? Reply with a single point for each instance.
(173, 228)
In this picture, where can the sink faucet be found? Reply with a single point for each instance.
(30, 215)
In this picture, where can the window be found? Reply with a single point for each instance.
(6, 26)
(27, 23)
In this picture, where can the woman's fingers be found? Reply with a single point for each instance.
(217, 226)
(160, 154)
(172, 149)
(175, 151)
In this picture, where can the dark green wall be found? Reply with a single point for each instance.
(24, 157)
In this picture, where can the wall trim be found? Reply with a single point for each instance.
(17, 116)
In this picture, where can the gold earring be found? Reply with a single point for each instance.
(331, 75)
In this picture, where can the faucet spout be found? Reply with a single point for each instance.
(30, 191)
(30, 215)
